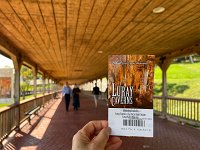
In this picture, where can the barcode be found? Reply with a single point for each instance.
(136, 123)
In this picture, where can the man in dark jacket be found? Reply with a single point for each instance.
(96, 93)
(76, 101)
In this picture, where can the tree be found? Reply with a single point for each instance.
(26, 77)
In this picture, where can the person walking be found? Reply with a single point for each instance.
(76, 101)
(66, 91)
(96, 93)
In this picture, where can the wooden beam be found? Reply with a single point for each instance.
(6, 47)
(11, 51)
(17, 65)
(34, 70)
(182, 52)
(164, 65)
(43, 84)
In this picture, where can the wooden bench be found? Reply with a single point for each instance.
(31, 112)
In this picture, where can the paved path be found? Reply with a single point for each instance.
(54, 129)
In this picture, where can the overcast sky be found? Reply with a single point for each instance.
(4, 61)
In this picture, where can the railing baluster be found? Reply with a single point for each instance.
(185, 110)
(180, 107)
(177, 107)
(198, 116)
(173, 109)
(191, 110)
(10, 117)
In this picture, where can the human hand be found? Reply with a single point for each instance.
(95, 136)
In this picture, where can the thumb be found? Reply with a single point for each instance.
(102, 138)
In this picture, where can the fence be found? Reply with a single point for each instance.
(11, 118)
(184, 108)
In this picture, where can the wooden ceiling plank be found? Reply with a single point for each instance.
(37, 21)
(12, 51)
(73, 7)
(109, 11)
(96, 16)
(137, 25)
(36, 34)
(68, 52)
(184, 41)
(21, 14)
(99, 60)
(85, 14)
(12, 37)
(56, 28)
(126, 16)
(183, 30)
(144, 36)
(19, 25)
(94, 20)
(136, 43)
(175, 32)
(8, 24)
(46, 11)
(138, 8)
(79, 3)
(47, 37)
(60, 17)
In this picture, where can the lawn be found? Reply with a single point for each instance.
(21, 99)
(183, 80)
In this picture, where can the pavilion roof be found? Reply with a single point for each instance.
(71, 39)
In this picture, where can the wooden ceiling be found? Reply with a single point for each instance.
(66, 37)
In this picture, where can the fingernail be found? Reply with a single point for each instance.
(109, 130)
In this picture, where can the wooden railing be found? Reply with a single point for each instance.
(185, 108)
(11, 117)
(157, 104)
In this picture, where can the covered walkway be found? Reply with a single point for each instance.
(54, 128)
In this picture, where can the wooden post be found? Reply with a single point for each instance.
(17, 65)
(101, 85)
(48, 85)
(34, 69)
(17, 62)
(91, 88)
(164, 65)
(43, 83)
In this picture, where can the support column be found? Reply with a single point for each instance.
(48, 85)
(34, 69)
(91, 88)
(101, 86)
(164, 65)
(17, 65)
(43, 83)
(17, 62)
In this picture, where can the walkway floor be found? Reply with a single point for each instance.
(54, 128)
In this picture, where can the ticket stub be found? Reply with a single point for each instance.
(130, 95)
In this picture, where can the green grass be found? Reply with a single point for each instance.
(29, 96)
(21, 99)
(3, 105)
(180, 71)
(183, 80)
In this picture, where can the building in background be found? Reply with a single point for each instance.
(6, 85)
